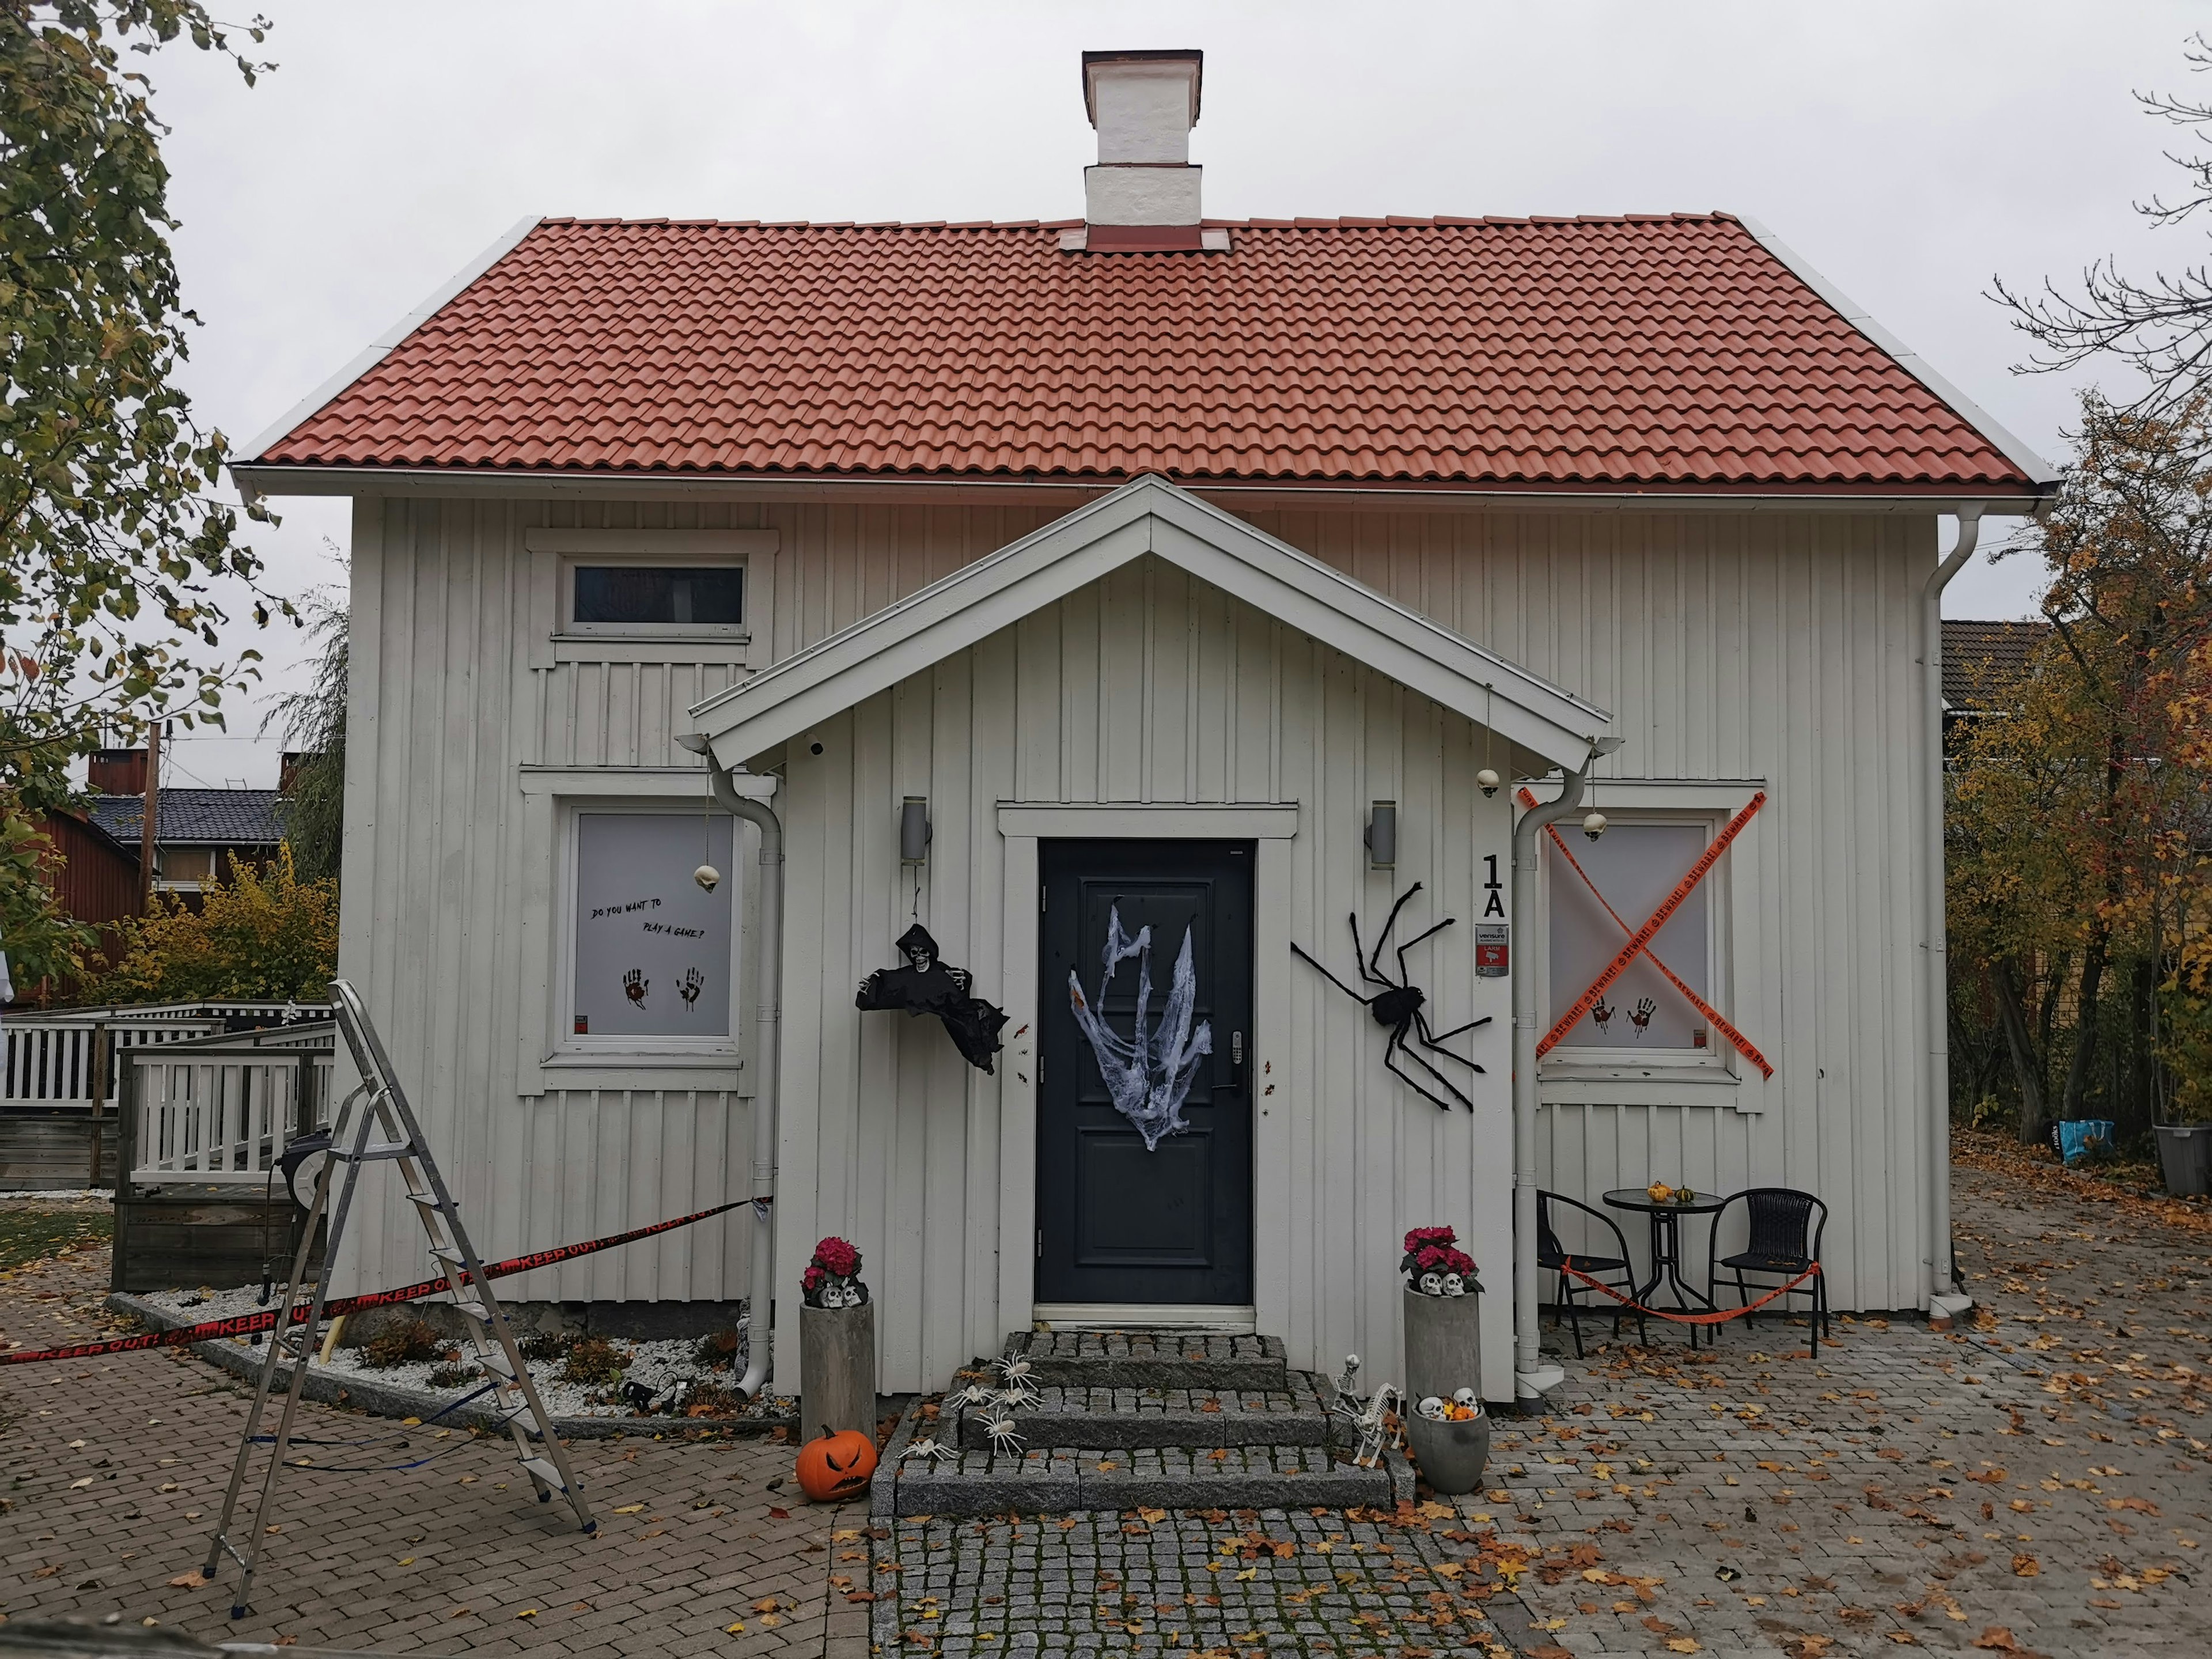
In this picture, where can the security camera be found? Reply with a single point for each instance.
(1594, 825)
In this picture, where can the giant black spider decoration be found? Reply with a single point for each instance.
(1398, 1005)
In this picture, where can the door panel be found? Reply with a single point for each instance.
(1117, 1223)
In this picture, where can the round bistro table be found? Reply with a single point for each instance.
(1665, 1216)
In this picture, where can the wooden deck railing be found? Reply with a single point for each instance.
(217, 1114)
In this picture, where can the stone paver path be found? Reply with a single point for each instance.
(2039, 1482)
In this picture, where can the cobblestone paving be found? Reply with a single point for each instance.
(116, 1468)
(2037, 1483)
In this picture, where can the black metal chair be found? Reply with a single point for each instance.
(1552, 1257)
(1784, 1241)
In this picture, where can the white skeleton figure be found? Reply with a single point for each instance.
(1373, 1423)
(1347, 1382)
(1003, 1435)
(927, 1449)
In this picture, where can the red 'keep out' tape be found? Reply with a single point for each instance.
(1718, 1316)
(248, 1324)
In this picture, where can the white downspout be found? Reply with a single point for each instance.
(1530, 1377)
(1944, 1303)
(766, 969)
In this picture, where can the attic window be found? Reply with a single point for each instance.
(657, 599)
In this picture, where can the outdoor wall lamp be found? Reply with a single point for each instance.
(914, 830)
(1382, 834)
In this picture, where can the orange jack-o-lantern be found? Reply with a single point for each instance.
(838, 1466)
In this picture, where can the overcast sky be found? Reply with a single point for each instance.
(1909, 151)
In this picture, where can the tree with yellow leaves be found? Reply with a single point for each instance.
(259, 936)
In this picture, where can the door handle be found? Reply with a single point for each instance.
(1237, 1049)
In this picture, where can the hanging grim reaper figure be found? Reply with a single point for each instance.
(1149, 1073)
(927, 985)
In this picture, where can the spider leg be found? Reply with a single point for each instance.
(1373, 966)
(1448, 1086)
(1330, 977)
(1434, 1038)
(1430, 1040)
(1395, 1047)
(1406, 973)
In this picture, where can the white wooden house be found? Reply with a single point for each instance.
(1156, 562)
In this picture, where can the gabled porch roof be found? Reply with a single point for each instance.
(1147, 516)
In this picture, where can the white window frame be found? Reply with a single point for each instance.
(557, 553)
(1718, 1074)
(552, 1056)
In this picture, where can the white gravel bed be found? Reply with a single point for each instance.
(657, 1366)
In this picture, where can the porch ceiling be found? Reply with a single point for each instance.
(1147, 516)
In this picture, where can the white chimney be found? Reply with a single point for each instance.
(1142, 195)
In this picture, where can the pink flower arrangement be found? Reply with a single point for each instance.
(1435, 1250)
(832, 1278)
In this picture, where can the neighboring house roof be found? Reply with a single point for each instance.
(1673, 352)
(219, 818)
(1149, 516)
(1979, 656)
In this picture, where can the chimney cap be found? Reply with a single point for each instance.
(1191, 55)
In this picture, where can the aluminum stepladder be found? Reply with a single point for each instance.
(375, 1124)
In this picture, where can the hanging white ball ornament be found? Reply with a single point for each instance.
(1594, 825)
(708, 877)
(1486, 781)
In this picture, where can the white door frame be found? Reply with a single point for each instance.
(1272, 827)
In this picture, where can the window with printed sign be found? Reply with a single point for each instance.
(1624, 878)
(653, 952)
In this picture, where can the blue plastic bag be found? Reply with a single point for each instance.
(2079, 1137)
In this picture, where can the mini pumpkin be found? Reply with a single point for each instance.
(836, 1466)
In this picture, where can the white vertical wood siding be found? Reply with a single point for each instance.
(1777, 647)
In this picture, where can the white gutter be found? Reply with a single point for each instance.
(1531, 1379)
(766, 969)
(1944, 1303)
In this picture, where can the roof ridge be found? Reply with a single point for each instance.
(1347, 222)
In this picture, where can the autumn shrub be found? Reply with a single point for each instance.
(594, 1359)
(2187, 1006)
(714, 1399)
(406, 1342)
(258, 935)
(452, 1376)
(543, 1347)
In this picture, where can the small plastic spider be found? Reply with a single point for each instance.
(928, 1451)
(1398, 1005)
(972, 1397)
(1013, 1373)
(1019, 1395)
(1005, 1437)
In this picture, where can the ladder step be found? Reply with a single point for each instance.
(475, 1310)
(378, 1149)
(541, 1469)
(428, 1200)
(493, 1358)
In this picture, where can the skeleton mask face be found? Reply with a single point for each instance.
(1430, 1285)
(1454, 1286)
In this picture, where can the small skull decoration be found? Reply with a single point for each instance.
(1465, 1397)
(1454, 1285)
(1430, 1283)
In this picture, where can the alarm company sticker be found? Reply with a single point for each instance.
(1492, 950)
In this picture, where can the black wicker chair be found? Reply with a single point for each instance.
(1784, 1241)
(1552, 1257)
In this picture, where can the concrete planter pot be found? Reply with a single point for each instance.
(2185, 1154)
(1443, 1346)
(837, 1369)
(1452, 1456)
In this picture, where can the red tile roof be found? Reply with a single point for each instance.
(1670, 351)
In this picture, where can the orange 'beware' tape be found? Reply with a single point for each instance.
(1643, 935)
(1713, 1018)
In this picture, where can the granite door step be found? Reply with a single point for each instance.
(1139, 1419)
(1152, 1359)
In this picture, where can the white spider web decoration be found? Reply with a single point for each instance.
(1149, 1073)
